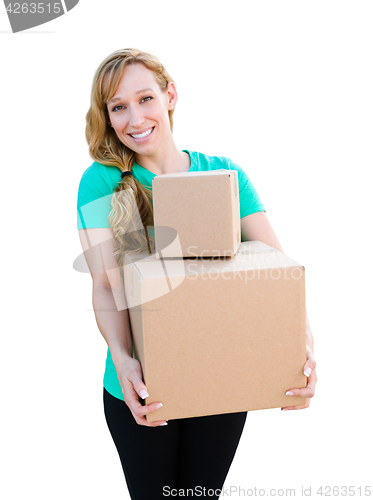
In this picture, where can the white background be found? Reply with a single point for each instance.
(283, 88)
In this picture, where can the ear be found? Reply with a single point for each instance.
(172, 94)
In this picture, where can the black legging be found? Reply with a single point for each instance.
(157, 462)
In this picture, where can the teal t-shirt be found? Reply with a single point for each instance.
(94, 205)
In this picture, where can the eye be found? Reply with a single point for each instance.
(115, 108)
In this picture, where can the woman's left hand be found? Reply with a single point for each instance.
(308, 391)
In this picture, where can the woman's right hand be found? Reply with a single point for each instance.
(131, 380)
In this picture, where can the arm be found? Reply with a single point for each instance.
(110, 306)
(256, 226)
(108, 296)
(114, 325)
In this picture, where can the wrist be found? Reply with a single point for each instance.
(120, 356)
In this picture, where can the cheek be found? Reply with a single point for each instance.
(156, 110)
(119, 122)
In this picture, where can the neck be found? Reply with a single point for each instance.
(169, 160)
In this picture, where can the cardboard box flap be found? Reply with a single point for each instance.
(198, 173)
(251, 255)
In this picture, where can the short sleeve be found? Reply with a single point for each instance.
(250, 202)
(94, 199)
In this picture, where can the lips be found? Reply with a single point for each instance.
(142, 133)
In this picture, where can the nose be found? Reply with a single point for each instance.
(136, 117)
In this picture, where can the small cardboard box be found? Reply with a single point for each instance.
(219, 335)
(205, 216)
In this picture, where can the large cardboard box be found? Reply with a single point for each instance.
(205, 215)
(218, 335)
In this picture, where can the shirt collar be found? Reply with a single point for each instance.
(144, 175)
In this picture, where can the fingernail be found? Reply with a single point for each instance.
(164, 423)
(158, 406)
(289, 393)
(307, 371)
(144, 394)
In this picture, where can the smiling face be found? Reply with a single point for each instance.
(138, 111)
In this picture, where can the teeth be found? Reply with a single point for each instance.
(142, 135)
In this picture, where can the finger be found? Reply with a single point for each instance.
(139, 411)
(310, 363)
(158, 423)
(146, 409)
(294, 407)
(138, 385)
(300, 407)
(131, 397)
(309, 367)
(145, 423)
(305, 392)
(311, 385)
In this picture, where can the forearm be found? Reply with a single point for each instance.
(114, 325)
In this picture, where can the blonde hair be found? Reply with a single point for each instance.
(106, 148)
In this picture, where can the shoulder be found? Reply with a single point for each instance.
(98, 173)
(250, 201)
(98, 180)
(95, 193)
(210, 162)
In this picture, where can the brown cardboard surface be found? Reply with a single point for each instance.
(218, 335)
(205, 213)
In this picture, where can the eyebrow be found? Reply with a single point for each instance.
(138, 92)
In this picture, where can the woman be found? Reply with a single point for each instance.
(129, 132)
